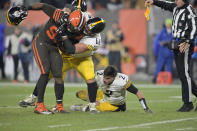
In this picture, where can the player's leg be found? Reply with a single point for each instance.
(40, 52)
(182, 65)
(85, 67)
(56, 68)
(31, 99)
(83, 95)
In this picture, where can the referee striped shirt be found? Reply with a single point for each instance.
(184, 20)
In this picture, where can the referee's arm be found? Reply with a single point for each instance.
(192, 25)
(166, 5)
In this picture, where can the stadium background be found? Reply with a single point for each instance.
(139, 35)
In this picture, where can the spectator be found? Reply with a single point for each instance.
(114, 5)
(114, 40)
(25, 54)
(4, 4)
(163, 54)
(2, 50)
(18, 45)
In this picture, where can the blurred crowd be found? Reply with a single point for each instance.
(92, 4)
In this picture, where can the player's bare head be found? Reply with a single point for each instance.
(109, 75)
(76, 21)
(94, 25)
(110, 71)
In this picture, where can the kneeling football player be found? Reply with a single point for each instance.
(112, 96)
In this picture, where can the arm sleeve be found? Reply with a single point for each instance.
(165, 5)
(192, 22)
(52, 12)
(132, 89)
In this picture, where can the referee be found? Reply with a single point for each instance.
(184, 31)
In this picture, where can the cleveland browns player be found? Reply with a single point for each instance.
(45, 49)
(86, 42)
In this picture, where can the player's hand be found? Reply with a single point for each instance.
(183, 47)
(148, 3)
(147, 110)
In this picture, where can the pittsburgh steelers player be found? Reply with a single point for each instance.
(112, 96)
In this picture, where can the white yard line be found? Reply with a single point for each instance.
(62, 125)
(143, 125)
(184, 129)
(11, 107)
(5, 124)
(4, 84)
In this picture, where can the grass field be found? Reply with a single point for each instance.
(163, 101)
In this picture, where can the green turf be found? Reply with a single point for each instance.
(14, 118)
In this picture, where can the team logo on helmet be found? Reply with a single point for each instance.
(16, 14)
(76, 21)
(94, 25)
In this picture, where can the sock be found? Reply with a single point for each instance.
(35, 93)
(92, 91)
(41, 86)
(143, 102)
(59, 92)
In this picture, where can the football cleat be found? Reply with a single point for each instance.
(59, 109)
(92, 108)
(28, 101)
(41, 109)
(186, 108)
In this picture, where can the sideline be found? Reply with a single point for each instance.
(51, 84)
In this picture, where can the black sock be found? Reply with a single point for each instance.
(92, 91)
(41, 86)
(35, 92)
(59, 92)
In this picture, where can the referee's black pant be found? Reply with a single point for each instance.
(183, 65)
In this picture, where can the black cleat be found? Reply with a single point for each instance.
(186, 108)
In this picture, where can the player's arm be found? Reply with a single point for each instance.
(132, 89)
(87, 43)
(78, 48)
(166, 5)
(49, 10)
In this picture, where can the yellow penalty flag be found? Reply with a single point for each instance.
(147, 13)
